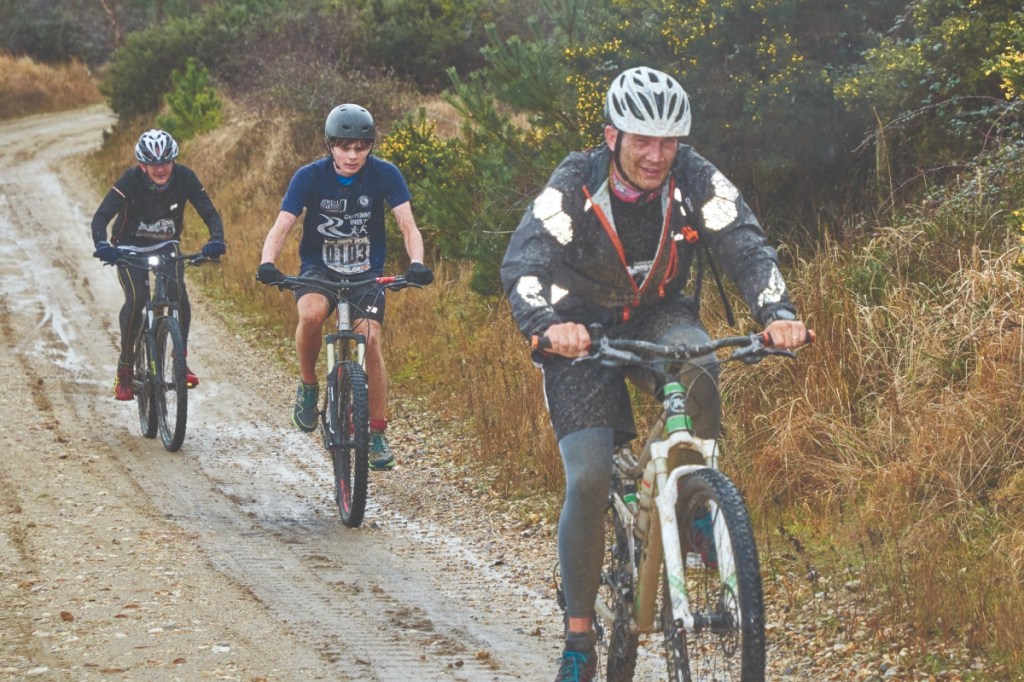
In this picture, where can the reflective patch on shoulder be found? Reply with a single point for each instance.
(558, 293)
(547, 208)
(531, 291)
(774, 291)
(720, 211)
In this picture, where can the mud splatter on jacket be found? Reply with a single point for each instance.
(565, 261)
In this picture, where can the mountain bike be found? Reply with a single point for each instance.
(159, 378)
(345, 410)
(681, 555)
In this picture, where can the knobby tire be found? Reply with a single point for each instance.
(733, 648)
(347, 411)
(617, 589)
(142, 386)
(171, 383)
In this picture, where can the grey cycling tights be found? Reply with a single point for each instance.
(587, 457)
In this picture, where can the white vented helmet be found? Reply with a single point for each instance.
(156, 146)
(644, 101)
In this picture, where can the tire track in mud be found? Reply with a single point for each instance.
(366, 600)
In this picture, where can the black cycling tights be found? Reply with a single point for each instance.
(135, 284)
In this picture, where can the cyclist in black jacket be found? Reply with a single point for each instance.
(147, 205)
(612, 239)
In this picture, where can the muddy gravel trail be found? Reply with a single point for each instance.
(119, 560)
(226, 560)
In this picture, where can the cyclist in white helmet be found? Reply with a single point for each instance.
(613, 238)
(147, 205)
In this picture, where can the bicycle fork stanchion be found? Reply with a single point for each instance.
(664, 547)
(345, 327)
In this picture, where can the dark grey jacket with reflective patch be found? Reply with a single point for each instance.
(565, 261)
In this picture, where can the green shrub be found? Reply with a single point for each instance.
(194, 104)
(1009, 65)
(140, 74)
(433, 168)
(421, 39)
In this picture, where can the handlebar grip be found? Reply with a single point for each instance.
(809, 338)
(391, 279)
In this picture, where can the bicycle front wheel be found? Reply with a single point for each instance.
(171, 383)
(616, 590)
(723, 583)
(142, 386)
(347, 411)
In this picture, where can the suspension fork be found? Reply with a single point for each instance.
(344, 332)
(663, 467)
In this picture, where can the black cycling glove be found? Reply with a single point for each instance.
(107, 252)
(420, 274)
(269, 274)
(215, 248)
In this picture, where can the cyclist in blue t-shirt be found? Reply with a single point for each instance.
(343, 196)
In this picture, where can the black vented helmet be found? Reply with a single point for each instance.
(644, 101)
(349, 121)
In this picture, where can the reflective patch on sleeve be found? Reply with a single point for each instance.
(720, 211)
(774, 291)
(530, 290)
(558, 293)
(547, 208)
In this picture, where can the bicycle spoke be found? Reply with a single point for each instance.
(723, 585)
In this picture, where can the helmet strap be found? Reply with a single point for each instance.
(624, 188)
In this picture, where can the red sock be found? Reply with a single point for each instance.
(378, 425)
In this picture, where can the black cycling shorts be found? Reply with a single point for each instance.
(367, 303)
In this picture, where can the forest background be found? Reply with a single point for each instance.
(880, 142)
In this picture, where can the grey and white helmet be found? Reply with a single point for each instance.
(350, 122)
(644, 101)
(156, 146)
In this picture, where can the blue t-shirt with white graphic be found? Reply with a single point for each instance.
(344, 224)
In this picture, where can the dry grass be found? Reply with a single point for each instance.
(469, 356)
(895, 444)
(899, 437)
(27, 87)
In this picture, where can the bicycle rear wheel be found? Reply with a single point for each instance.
(142, 386)
(723, 582)
(616, 590)
(171, 384)
(347, 411)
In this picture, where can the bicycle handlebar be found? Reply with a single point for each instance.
(335, 288)
(620, 352)
(145, 260)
